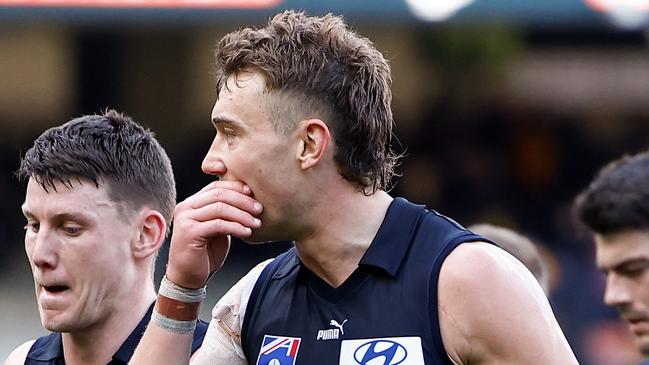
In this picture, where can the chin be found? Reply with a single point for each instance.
(57, 326)
(260, 237)
(643, 345)
(257, 240)
(60, 322)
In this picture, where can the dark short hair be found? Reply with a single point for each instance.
(328, 71)
(109, 149)
(618, 198)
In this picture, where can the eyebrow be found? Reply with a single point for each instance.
(59, 216)
(26, 212)
(631, 261)
(220, 120)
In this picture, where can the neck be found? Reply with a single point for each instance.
(345, 225)
(97, 344)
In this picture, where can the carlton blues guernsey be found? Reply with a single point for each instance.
(385, 313)
(48, 350)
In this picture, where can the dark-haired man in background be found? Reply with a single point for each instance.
(99, 201)
(615, 206)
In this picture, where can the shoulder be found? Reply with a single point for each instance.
(486, 273)
(491, 309)
(18, 356)
(472, 263)
(222, 340)
(231, 308)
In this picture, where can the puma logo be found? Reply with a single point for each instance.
(331, 333)
(335, 323)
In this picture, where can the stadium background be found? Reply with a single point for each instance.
(505, 110)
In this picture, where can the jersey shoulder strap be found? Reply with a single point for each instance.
(277, 268)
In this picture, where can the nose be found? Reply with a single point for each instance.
(41, 251)
(213, 163)
(617, 291)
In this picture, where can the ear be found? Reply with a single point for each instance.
(151, 234)
(314, 139)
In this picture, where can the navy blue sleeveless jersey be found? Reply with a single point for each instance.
(385, 313)
(49, 349)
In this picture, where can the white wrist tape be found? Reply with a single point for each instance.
(174, 291)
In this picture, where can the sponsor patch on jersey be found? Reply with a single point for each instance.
(382, 351)
(278, 350)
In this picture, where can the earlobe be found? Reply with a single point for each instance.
(314, 140)
(151, 234)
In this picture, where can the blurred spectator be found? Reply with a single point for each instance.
(518, 246)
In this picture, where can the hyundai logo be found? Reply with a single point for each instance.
(371, 353)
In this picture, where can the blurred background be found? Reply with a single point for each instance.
(504, 108)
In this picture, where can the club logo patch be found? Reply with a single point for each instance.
(382, 351)
(278, 350)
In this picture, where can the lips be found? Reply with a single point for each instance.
(55, 289)
(54, 296)
(638, 325)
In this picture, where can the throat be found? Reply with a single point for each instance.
(334, 265)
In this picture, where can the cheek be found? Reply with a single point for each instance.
(640, 287)
(117, 256)
(29, 248)
(92, 256)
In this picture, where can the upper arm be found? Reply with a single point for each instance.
(18, 356)
(493, 311)
(222, 343)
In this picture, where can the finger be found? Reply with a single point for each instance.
(206, 187)
(238, 186)
(220, 227)
(227, 196)
(232, 185)
(223, 211)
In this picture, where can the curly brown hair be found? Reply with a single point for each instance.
(318, 67)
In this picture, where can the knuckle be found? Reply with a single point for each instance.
(180, 207)
(218, 208)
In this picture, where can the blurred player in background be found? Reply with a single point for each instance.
(303, 152)
(520, 247)
(99, 201)
(615, 206)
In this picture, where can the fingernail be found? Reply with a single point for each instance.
(246, 189)
(257, 206)
(257, 222)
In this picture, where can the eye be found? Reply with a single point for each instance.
(633, 270)
(228, 132)
(32, 226)
(71, 229)
(229, 135)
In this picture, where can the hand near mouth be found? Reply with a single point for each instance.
(202, 228)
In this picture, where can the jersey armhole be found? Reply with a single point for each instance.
(249, 302)
(438, 343)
